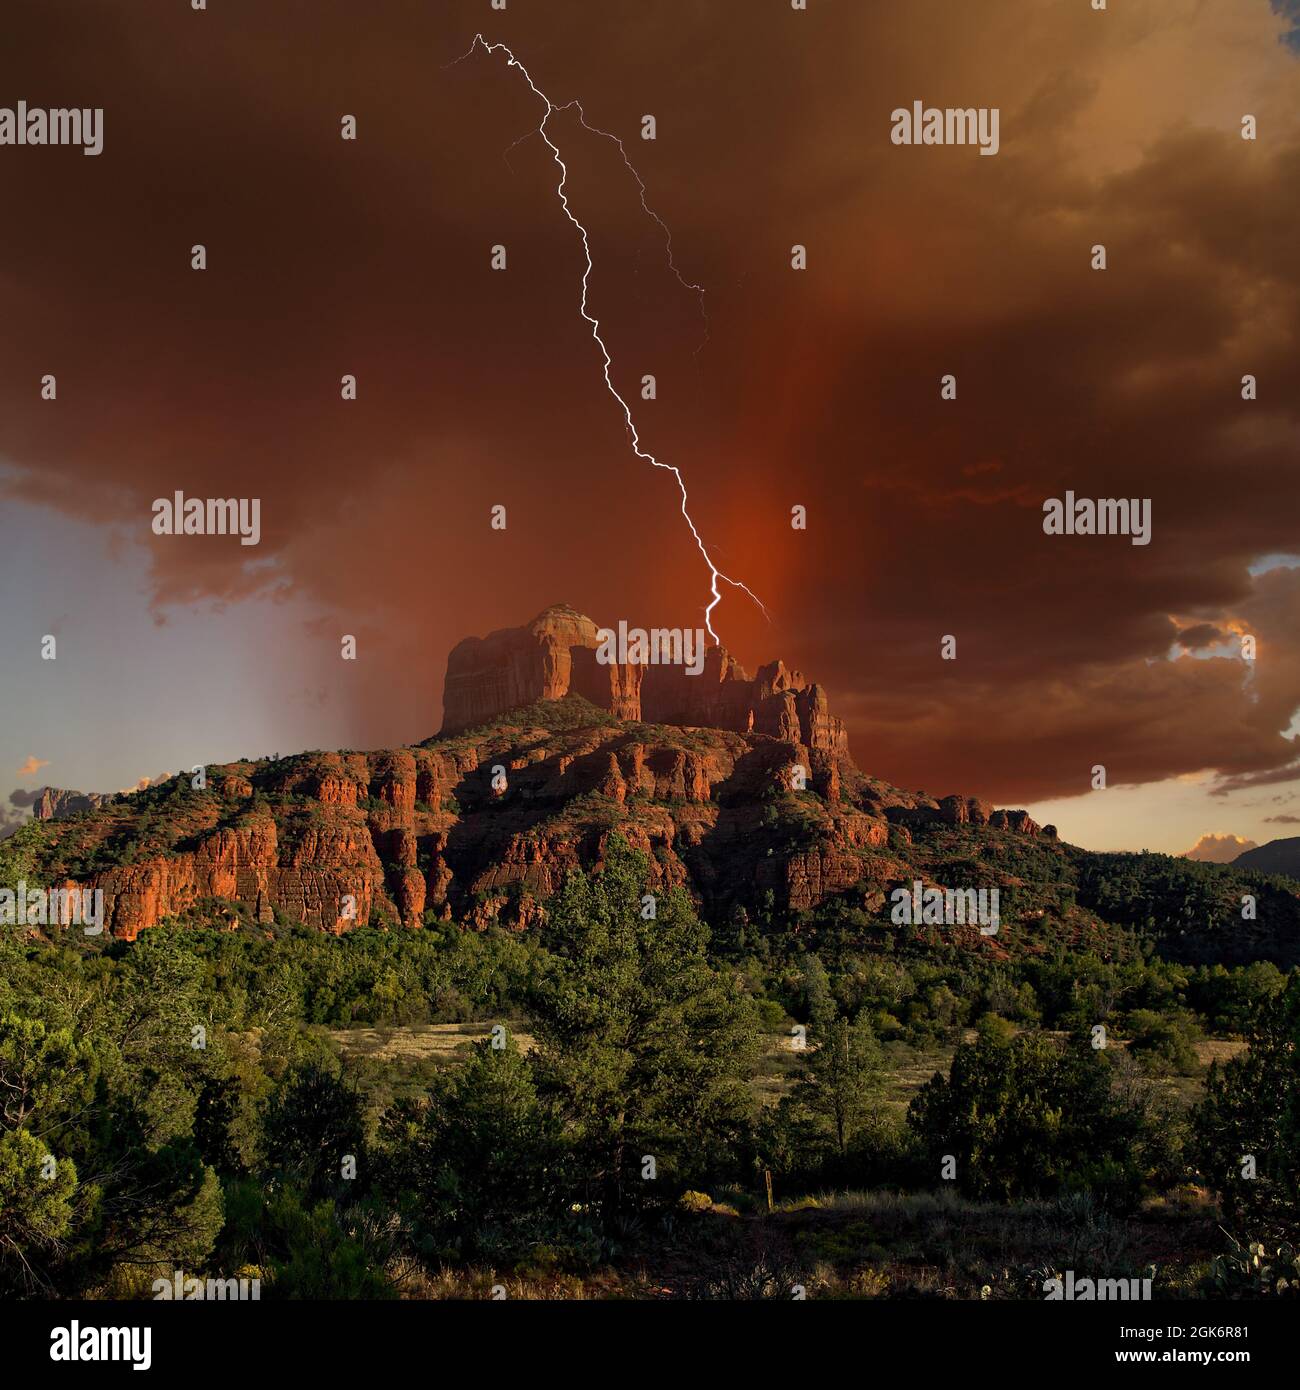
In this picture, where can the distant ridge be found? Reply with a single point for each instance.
(1276, 857)
(56, 802)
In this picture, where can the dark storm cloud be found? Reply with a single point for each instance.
(1288, 772)
(819, 387)
(1201, 635)
(11, 812)
(1290, 11)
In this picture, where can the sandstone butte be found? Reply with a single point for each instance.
(694, 770)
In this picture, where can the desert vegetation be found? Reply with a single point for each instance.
(623, 1103)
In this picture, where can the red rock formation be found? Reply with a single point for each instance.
(959, 810)
(555, 655)
(54, 802)
(965, 810)
(517, 666)
(702, 782)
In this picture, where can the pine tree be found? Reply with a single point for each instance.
(841, 1079)
(642, 1045)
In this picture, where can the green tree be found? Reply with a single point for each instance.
(1163, 1040)
(483, 1161)
(818, 1002)
(44, 1072)
(314, 1122)
(642, 1045)
(307, 1250)
(1030, 1117)
(1251, 1112)
(164, 1209)
(36, 1211)
(840, 1079)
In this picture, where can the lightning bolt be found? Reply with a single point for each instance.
(715, 574)
(696, 290)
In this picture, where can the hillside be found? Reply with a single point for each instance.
(481, 825)
(1276, 857)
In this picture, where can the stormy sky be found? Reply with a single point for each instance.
(818, 387)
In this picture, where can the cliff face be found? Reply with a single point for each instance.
(518, 666)
(555, 655)
(472, 828)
